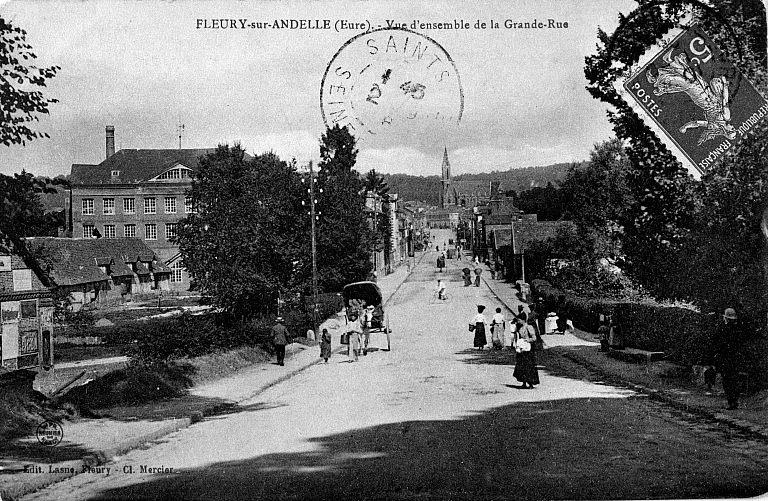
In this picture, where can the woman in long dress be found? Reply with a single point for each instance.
(525, 361)
(480, 324)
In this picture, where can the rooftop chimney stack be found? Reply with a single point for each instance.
(110, 140)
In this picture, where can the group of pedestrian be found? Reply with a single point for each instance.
(524, 338)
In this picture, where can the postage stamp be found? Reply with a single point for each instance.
(694, 98)
(391, 78)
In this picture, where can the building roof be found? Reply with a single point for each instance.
(74, 261)
(136, 166)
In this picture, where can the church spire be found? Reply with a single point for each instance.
(446, 180)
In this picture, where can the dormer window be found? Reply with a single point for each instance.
(115, 173)
(175, 173)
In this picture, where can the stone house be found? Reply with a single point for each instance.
(103, 271)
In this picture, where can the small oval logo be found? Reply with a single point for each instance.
(50, 433)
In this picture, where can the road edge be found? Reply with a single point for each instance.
(104, 456)
(654, 393)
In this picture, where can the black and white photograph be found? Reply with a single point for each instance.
(383, 250)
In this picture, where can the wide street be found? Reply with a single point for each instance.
(435, 419)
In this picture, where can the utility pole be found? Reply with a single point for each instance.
(314, 245)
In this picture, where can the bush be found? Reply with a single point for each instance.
(136, 384)
(683, 333)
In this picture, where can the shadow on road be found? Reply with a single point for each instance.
(525, 450)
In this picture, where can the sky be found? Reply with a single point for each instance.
(146, 67)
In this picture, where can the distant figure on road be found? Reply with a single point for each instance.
(441, 263)
(467, 277)
(478, 271)
(478, 325)
(726, 355)
(280, 339)
(525, 361)
(498, 329)
(440, 289)
(325, 346)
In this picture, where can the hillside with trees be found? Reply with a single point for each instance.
(427, 188)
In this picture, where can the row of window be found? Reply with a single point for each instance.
(129, 206)
(129, 231)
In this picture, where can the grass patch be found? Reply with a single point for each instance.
(135, 384)
(22, 411)
(218, 365)
(144, 383)
(76, 352)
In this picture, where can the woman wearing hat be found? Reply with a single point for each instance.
(479, 325)
(525, 360)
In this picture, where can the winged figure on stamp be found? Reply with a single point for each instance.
(711, 97)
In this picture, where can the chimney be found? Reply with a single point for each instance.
(110, 140)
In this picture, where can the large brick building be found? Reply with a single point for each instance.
(136, 193)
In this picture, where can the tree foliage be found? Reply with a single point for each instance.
(343, 235)
(248, 240)
(684, 238)
(21, 101)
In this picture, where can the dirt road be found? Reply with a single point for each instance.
(435, 419)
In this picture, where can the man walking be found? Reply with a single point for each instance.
(726, 355)
(280, 339)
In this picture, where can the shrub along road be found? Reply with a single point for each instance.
(434, 418)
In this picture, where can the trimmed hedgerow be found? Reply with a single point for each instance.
(683, 334)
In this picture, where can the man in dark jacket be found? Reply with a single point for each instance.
(280, 339)
(726, 356)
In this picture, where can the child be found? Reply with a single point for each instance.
(325, 346)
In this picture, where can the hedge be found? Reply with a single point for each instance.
(684, 335)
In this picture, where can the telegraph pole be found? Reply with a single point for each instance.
(314, 245)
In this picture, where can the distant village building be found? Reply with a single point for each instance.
(26, 316)
(136, 194)
(102, 271)
(443, 218)
(461, 193)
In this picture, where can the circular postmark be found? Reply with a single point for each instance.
(50, 433)
(391, 79)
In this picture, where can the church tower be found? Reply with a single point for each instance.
(446, 180)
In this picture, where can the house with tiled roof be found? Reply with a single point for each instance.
(100, 271)
(136, 193)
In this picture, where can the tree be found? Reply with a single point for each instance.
(244, 245)
(343, 241)
(660, 223)
(546, 202)
(20, 100)
(597, 200)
